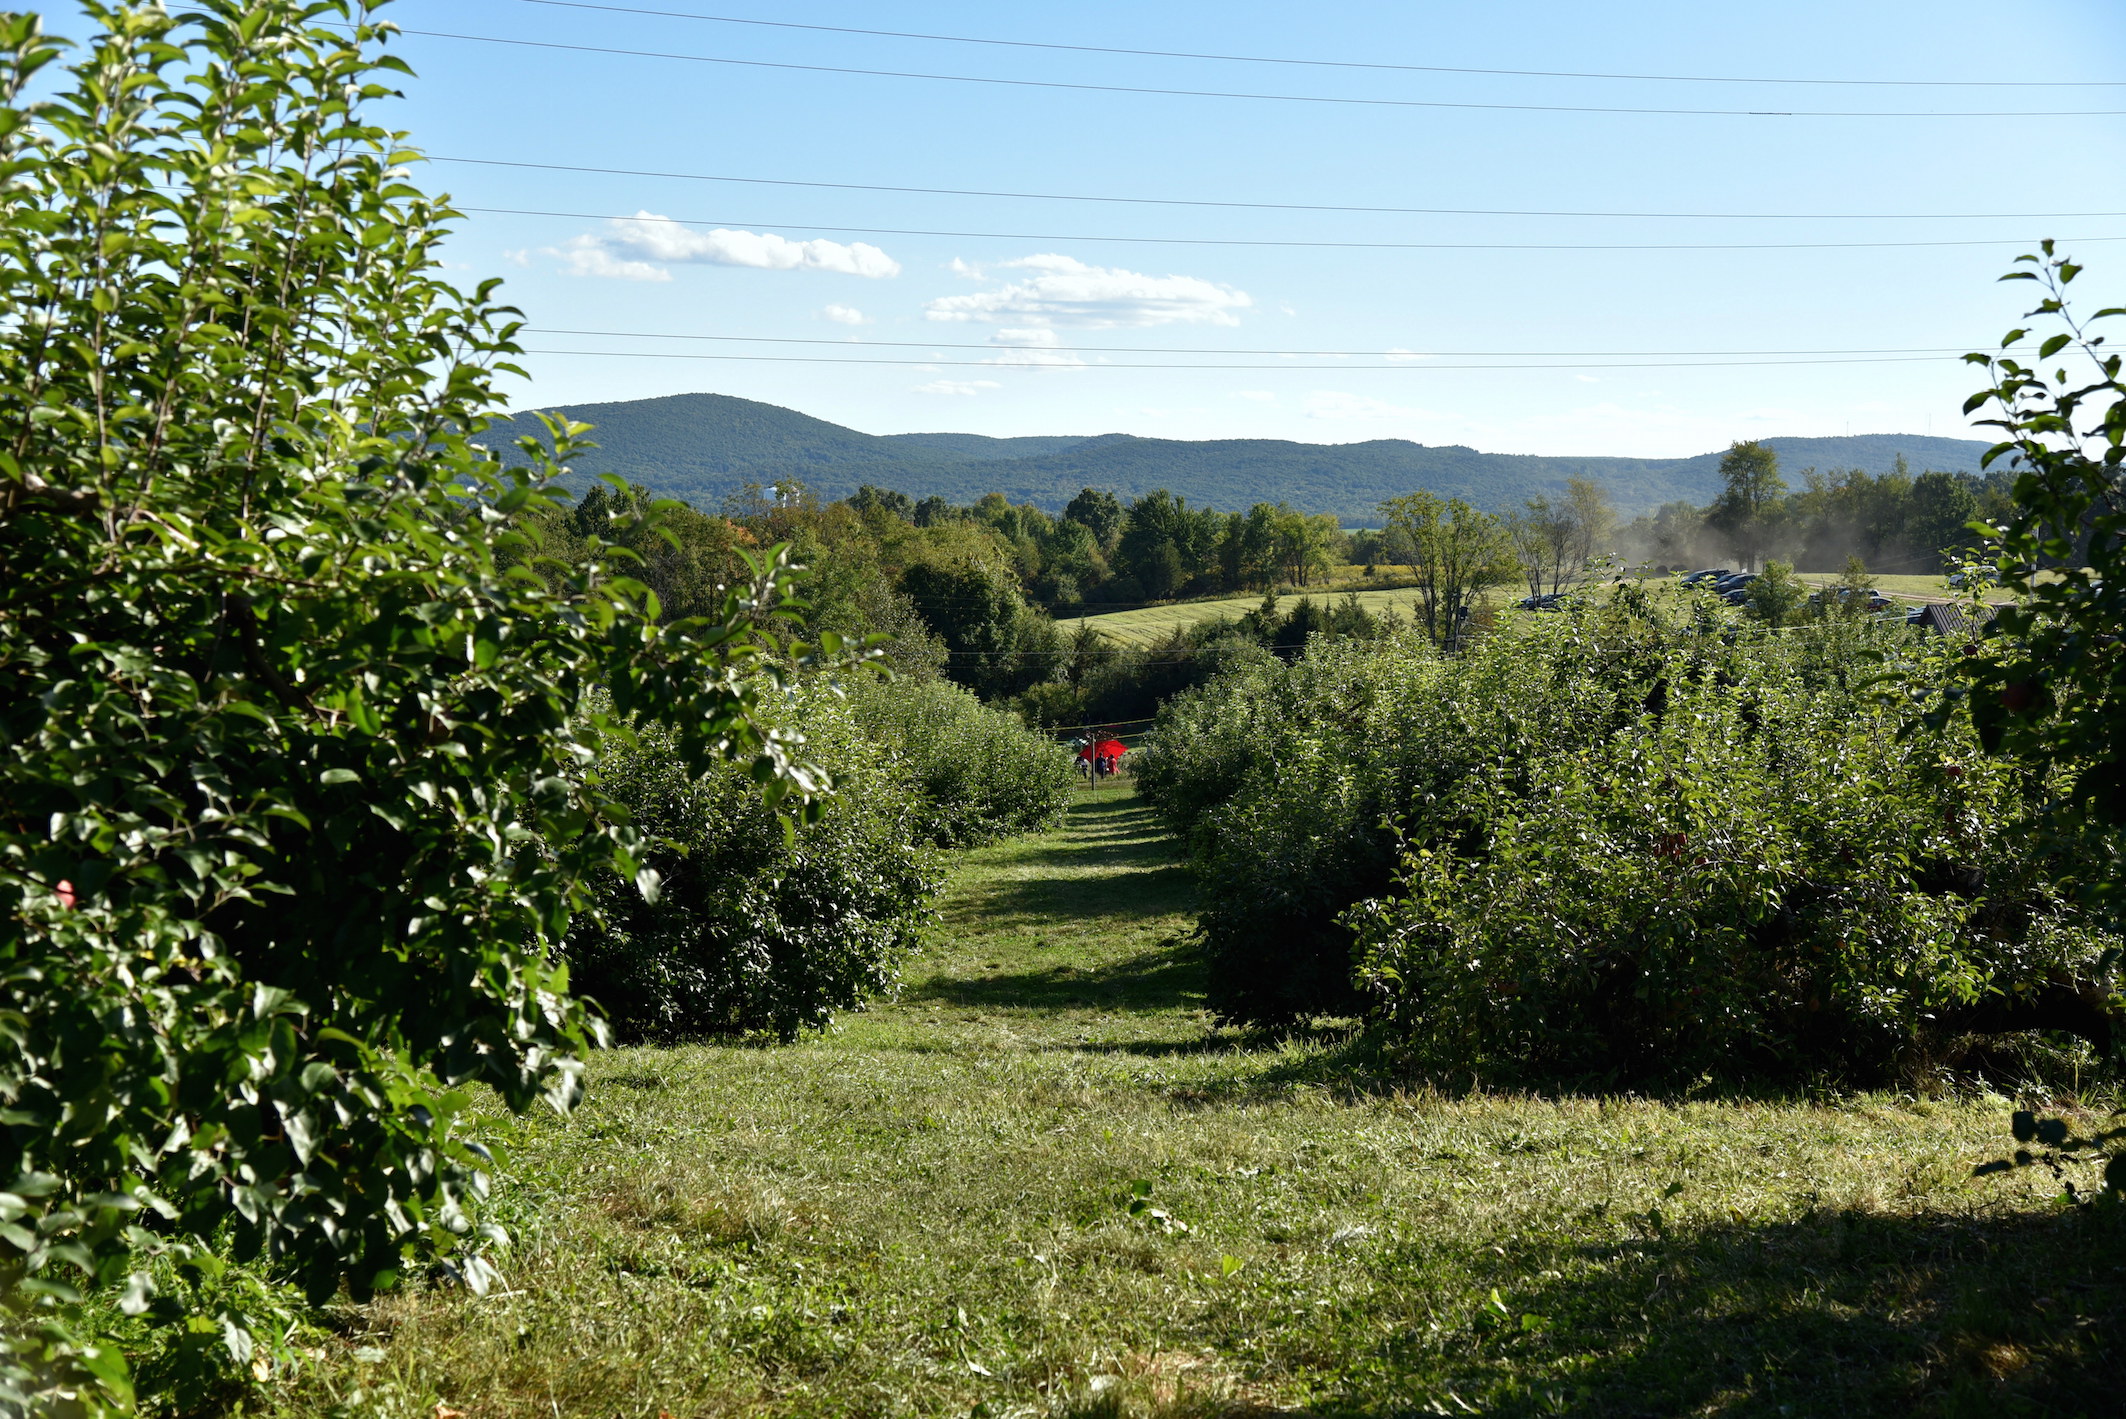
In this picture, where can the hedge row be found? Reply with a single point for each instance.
(1607, 848)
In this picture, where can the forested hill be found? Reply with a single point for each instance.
(701, 447)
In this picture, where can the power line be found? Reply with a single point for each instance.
(1342, 63)
(1280, 206)
(1340, 100)
(1310, 369)
(1265, 242)
(1205, 350)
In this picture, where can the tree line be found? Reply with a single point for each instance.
(1900, 521)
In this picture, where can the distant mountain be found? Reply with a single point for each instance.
(702, 447)
(978, 448)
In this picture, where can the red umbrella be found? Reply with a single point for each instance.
(1112, 748)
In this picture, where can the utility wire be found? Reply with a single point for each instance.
(1203, 350)
(1340, 63)
(1279, 206)
(1341, 100)
(1310, 369)
(1265, 242)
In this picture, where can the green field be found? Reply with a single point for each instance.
(1921, 587)
(1151, 624)
(1041, 1183)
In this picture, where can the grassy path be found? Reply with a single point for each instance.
(1040, 1184)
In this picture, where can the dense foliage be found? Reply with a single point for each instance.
(290, 823)
(2054, 689)
(977, 773)
(1604, 847)
(1279, 777)
(1097, 682)
(1738, 870)
(747, 932)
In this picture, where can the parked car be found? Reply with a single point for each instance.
(1876, 601)
(1709, 574)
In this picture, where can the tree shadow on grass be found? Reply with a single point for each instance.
(1228, 1040)
(1121, 898)
(1121, 834)
(1834, 1313)
(1166, 978)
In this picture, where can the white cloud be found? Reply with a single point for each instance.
(1033, 348)
(957, 386)
(629, 247)
(1065, 291)
(586, 257)
(518, 256)
(846, 315)
(1257, 396)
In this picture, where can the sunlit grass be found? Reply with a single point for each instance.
(1151, 624)
(1041, 1182)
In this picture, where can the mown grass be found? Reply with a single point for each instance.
(929, 1212)
(1150, 624)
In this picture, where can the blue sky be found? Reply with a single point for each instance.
(1029, 301)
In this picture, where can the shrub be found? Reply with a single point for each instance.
(1279, 777)
(981, 773)
(276, 732)
(1462, 801)
(1291, 784)
(1753, 878)
(747, 931)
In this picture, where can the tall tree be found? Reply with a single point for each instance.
(1594, 522)
(1165, 544)
(1535, 538)
(1097, 510)
(1458, 554)
(1249, 552)
(1941, 507)
(1749, 499)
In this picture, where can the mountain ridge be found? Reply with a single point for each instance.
(703, 447)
